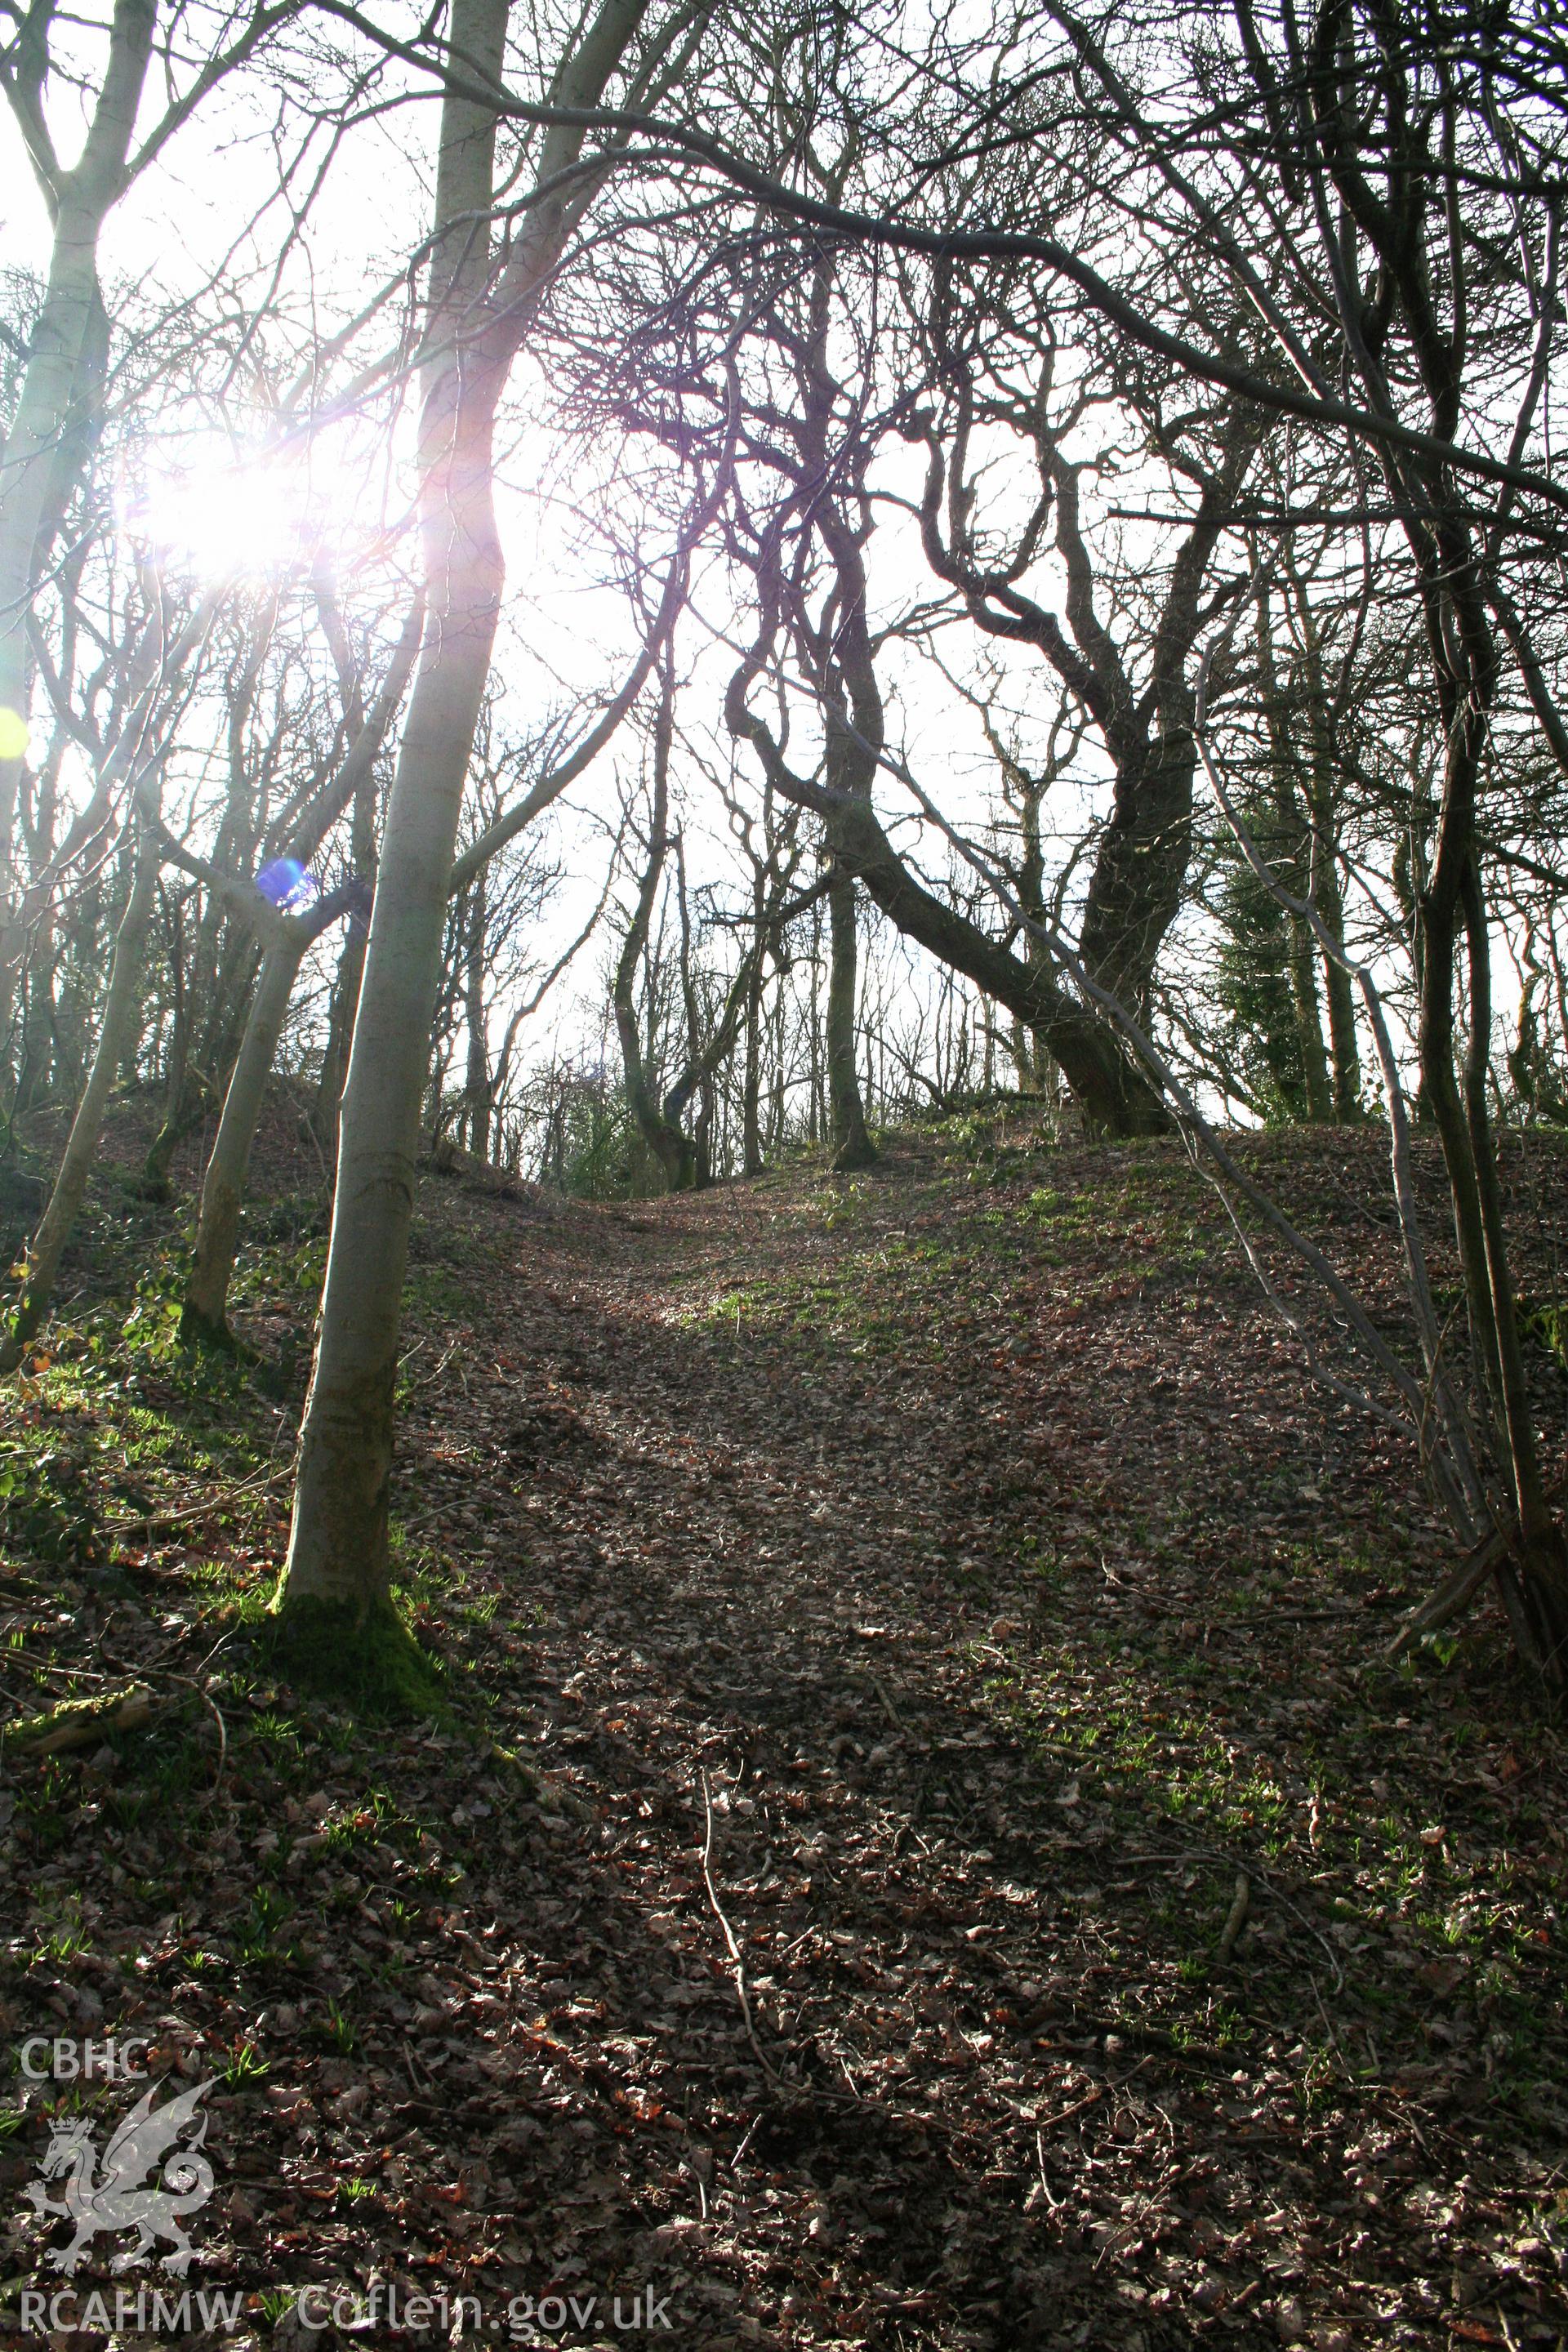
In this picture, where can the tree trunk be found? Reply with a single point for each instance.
(61, 386)
(671, 1151)
(751, 1081)
(340, 1031)
(1310, 1022)
(477, 1076)
(115, 1037)
(1338, 987)
(338, 1547)
(852, 1147)
(1105, 1083)
(206, 1314)
(337, 1574)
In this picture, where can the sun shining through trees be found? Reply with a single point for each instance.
(201, 503)
(703, 714)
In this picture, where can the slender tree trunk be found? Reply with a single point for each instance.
(338, 1551)
(816, 1124)
(852, 1147)
(751, 1081)
(350, 973)
(1340, 989)
(34, 1071)
(206, 1314)
(34, 1054)
(340, 1031)
(115, 1037)
(477, 1076)
(58, 404)
(175, 1123)
(778, 1092)
(1309, 1024)
(1318, 785)
(673, 1152)
(1453, 914)
(670, 1150)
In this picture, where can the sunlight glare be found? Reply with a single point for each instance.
(225, 518)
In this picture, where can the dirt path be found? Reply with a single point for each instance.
(882, 1578)
(962, 1570)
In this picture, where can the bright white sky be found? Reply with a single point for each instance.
(564, 635)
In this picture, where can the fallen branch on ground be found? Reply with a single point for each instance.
(78, 1720)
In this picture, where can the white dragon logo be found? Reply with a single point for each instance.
(116, 2199)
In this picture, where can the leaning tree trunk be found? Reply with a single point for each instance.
(205, 1316)
(852, 1147)
(337, 1576)
(337, 1549)
(1535, 1585)
(115, 1037)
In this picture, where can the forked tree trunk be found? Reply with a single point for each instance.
(338, 1551)
(284, 939)
(116, 1035)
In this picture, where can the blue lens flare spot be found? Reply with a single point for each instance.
(288, 885)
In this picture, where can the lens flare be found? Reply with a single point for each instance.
(242, 522)
(288, 886)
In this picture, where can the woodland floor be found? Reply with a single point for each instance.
(959, 1553)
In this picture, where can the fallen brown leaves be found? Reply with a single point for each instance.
(947, 1593)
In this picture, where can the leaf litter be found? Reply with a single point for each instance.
(922, 1851)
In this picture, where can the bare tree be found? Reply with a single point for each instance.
(479, 307)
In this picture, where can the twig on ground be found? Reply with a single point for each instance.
(1054, 2202)
(211, 1708)
(736, 1962)
(1235, 1920)
(888, 1710)
(155, 1522)
(1089, 2099)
